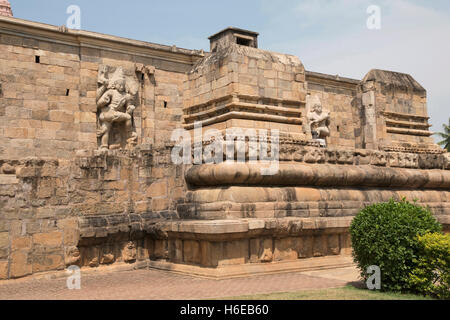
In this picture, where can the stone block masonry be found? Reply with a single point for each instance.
(56, 210)
(69, 196)
(48, 84)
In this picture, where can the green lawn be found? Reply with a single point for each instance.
(345, 293)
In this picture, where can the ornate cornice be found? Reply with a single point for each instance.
(81, 38)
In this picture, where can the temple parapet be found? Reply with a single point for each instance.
(394, 112)
(245, 87)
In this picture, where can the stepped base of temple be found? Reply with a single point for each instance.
(255, 269)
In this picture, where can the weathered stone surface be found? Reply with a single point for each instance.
(447, 161)
(5, 9)
(401, 102)
(6, 168)
(49, 240)
(234, 253)
(159, 250)
(64, 202)
(191, 252)
(21, 243)
(318, 175)
(73, 256)
(4, 240)
(286, 249)
(305, 249)
(47, 262)
(129, 252)
(3, 270)
(261, 250)
(94, 262)
(176, 250)
(108, 259)
(20, 265)
(115, 98)
(157, 189)
(333, 244)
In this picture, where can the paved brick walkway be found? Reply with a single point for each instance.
(160, 285)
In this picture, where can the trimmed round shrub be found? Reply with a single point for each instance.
(385, 235)
(432, 275)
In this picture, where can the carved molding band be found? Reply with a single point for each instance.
(317, 175)
(244, 107)
(409, 124)
(289, 202)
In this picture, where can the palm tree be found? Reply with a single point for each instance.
(446, 136)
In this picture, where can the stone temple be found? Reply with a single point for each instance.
(87, 146)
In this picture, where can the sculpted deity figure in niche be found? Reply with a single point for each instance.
(318, 120)
(115, 107)
(129, 252)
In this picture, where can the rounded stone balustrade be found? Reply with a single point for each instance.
(321, 175)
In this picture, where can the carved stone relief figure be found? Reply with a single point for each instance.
(72, 256)
(379, 159)
(318, 120)
(129, 252)
(314, 155)
(107, 258)
(115, 97)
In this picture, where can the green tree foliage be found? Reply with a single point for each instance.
(445, 143)
(432, 275)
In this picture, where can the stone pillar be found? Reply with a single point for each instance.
(5, 8)
(369, 116)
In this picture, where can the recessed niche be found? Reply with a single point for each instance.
(243, 42)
